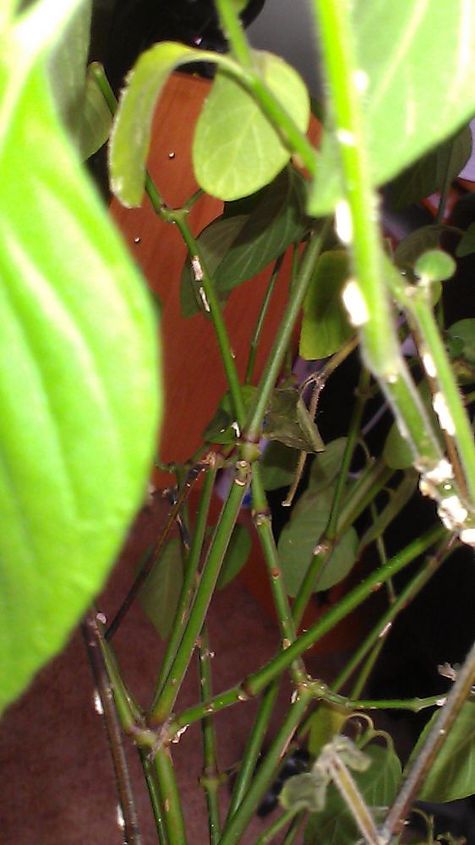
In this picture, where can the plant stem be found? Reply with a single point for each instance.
(435, 739)
(256, 682)
(190, 576)
(150, 776)
(237, 823)
(276, 827)
(233, 32)
(131, 831)
(170, 798)
(284, 334)
(210, 778)
(260, 320)
(163, 703)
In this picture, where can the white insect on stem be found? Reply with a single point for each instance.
(98, 704)
(440, 406)
(346, 137)
(343, 221)
(429, 365)
(361, 80)
(197, 268)
(120, 817)
(355, 304)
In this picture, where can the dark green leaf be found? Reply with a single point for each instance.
(276, 221)
(278, 464)
(236, 555)
(462, 337)
(214, 242)
(451, 775)
(378, 785)
(408, 103)
(325, 325)
(300, 537)
(326, 465)
(161, 591)
(78, 383)
(222, 428)
(466, 245)
(289, 421)
(435, 265)
(429, 173)
(236, 151)
(414, 245)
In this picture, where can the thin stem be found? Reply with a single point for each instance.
(237, 823)
(170, 798)
(152, 553)
(164, 702)
(435, 739)
(253, 747)
(256, 682)
(210, 778)
(190, 576)
(150, 776)
(343, 779)
(233, 32)
(294, 829)
(131, 831)
(260, 319)
(284, 334)
(276, 827)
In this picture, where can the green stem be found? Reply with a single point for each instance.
(163, 703)
(150, 776)
(210, 778)
(234, 33)
(260, 320)
(435, 739)
(170, 798)
(352, 797)
(190, 577)
(238, 822)
(275, 828)
(256, 682)
(284, 334)
(263, 525)
(253, 747)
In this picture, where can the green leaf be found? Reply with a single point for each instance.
(236, 150)
(278, 465)
(300, 537)
(67, 68)
(306, 791)
(276, 221)
(466, 245)
(326, 465)
(451, 775)
(378, 786)
(222, 428)
(236, 556)
(428, 174)
(414, 245)
(288, 420)
(435, 265)
(409, 105)
(325, 325)
(161, 591)
(96, 119)
(462, 339)
(78, 383)
(214, 241)
(325, 723)
(130, 139)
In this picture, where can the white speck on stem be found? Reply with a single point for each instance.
(355, 304)
(441, 409)
(120, 817)
(197, 268)
(441, 701)
(468, 536)
(101, 617)
(441, 473)
(346, 137)
(343, 222)
(452, 513)
(98, 703)
(179, 734)
(235, 426)
(385, 630)
(429, 365)
(204, 299)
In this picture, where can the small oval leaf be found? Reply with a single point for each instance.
(236, 151)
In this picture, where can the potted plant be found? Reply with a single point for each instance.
(78, 439)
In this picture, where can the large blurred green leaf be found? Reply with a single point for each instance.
(300, 537)
(429, 172)
(334, 825)
(325, 325)
(236, 151)
(161, 591)
(418, 58)
(78, 373)
(452, 774)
